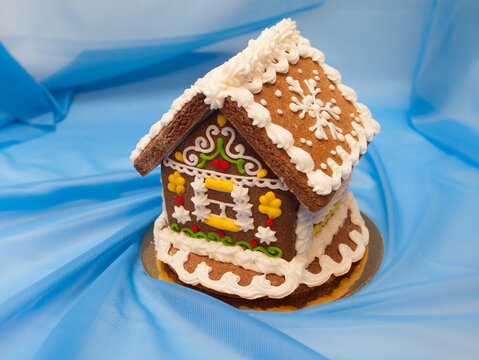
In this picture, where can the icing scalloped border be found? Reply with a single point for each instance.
(294, 271)
(244, 75)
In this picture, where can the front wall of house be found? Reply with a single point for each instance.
(202, 200)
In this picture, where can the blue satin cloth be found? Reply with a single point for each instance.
(81, 83)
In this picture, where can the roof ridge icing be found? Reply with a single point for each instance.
(243, 75)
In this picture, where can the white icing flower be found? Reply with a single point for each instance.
(243, 208)
(240, 193)
(198, 185)
(246, 223)
(200, 199)
(181, 214)
(202, 213)
(266, 235)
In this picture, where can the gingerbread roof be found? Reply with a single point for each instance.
(287, 103)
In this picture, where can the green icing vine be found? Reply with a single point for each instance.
(271, 251)
(220, 151)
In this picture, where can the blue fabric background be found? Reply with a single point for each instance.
(81, 82)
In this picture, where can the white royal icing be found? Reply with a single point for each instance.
(237, 179)
(244, 75)
(295, 271)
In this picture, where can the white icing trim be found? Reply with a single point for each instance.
(294, 271)
(244, 75)
(273, 184)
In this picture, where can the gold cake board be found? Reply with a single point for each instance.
(342, 287)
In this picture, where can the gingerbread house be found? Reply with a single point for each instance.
(256, 159)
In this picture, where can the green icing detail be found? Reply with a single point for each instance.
(271, 251)
(220, 151)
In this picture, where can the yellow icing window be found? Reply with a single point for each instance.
(223, 224)
(220, 185)
(243, 221)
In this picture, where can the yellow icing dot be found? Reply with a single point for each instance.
(270, 205)
(223, 224)
(262, 173)
(221, 120)
(176, 183)
(179, 156)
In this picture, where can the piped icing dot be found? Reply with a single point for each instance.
(333, 152)
(323, 166)
(356, 118)
(316, 78)
(300, 71)
(351, 115)
(315, 72)
(278, 93)
(279, 111)
(303, 140)
(263, 102)
(309, 143)
(333, 100)
(354, 133)
(332, 87)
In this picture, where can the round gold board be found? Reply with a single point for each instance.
(341, 287)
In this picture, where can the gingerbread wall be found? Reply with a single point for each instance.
(283, 226)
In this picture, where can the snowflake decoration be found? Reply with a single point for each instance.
(266, 235)
(314, 107)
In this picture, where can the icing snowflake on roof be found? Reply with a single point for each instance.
(315, 108)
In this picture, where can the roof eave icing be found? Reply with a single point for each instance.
(244, 75)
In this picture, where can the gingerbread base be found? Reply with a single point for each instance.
(218, 269)
(334, 289)
(340, 243)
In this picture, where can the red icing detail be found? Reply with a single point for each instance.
(223, 165)
(270, 222)
(221, 233)
(195, 228)
(180, 200)
(254, 243)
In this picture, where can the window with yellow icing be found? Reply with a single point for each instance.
(239, 204)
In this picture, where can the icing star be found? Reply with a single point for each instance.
(181, 214)
(266, 235)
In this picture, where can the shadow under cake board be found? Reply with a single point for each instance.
(336, 288)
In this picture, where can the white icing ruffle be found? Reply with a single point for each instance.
(294, 271)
